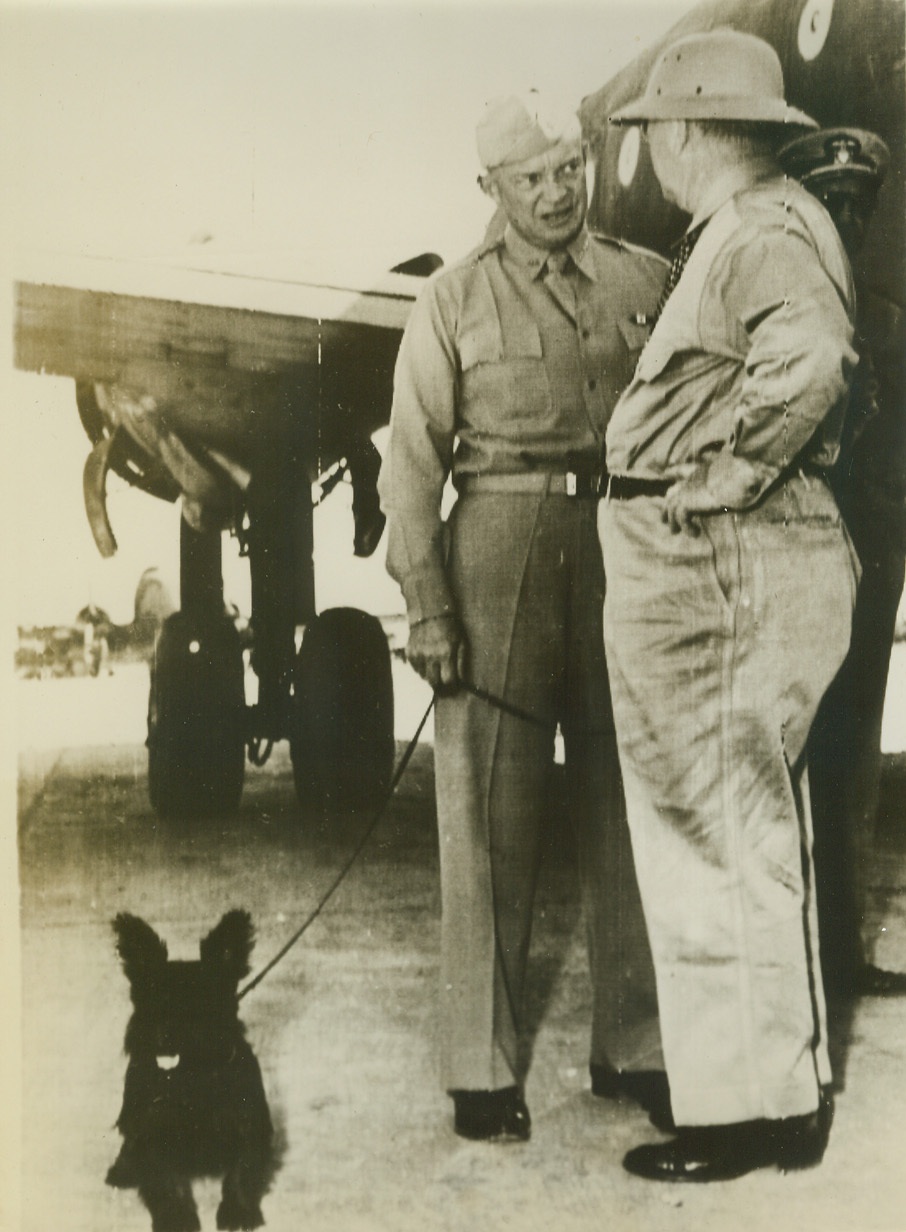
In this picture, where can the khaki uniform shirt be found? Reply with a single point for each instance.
(500, 372)
(753, 351)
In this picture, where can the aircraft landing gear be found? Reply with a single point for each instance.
(333, 699)
(196, 709)
(196, 718)
(341, 741)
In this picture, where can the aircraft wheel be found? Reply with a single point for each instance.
(196, 718)
(342, 739)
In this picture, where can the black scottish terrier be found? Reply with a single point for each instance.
(194, 1102)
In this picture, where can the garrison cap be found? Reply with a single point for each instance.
(833, 155)
(720, 75)
(520, 126)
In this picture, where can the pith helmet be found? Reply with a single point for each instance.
(833, 155)
(721, 75)
(520, 126)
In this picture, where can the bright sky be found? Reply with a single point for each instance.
(338, 129)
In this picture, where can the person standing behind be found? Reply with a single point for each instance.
(730, 587)
(509, 368)
(845, 168)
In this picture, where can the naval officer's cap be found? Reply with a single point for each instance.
(837, 155)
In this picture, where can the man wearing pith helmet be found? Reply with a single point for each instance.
(509, 368)
(845, 168)
(730, 587)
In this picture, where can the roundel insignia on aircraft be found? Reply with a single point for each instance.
(814, 26)
(628, 159)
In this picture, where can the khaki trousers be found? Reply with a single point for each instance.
(527, 575)
(719, 650)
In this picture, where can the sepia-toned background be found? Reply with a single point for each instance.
(339, 133)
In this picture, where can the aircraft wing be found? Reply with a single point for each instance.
(186, 373)
(150, 325)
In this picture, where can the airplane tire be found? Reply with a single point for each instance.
(196, 719)
(342, 743)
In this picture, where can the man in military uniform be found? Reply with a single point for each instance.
(510, 365)
(730, 587)
(845, 168)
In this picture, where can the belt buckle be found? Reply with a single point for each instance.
(572, 483)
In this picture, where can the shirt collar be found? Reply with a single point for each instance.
(533, 258)
(731, 182)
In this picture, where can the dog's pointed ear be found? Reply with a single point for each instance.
(139, 946)
(229, 945)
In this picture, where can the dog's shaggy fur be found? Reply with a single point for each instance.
(194, 1102)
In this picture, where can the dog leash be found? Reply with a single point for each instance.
(500, 703)
(484, 695)
(335, 884)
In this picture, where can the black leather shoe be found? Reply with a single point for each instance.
(724, 1152)
(698, 1156)
(646, 1087)
(492, 1116)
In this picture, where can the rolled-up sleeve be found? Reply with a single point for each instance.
(795, 324)
(419, 456)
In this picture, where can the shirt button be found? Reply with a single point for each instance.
(586, 333)
(592, 384)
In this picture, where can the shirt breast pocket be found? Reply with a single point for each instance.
(479, 347)
(503, 379)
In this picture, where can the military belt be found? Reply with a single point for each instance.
(583, 485)
(626, 487)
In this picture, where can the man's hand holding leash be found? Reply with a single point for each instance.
(437, 651)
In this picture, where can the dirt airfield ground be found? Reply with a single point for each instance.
(344, 1027)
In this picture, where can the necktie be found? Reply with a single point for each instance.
(677, 265)
(558, 277)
